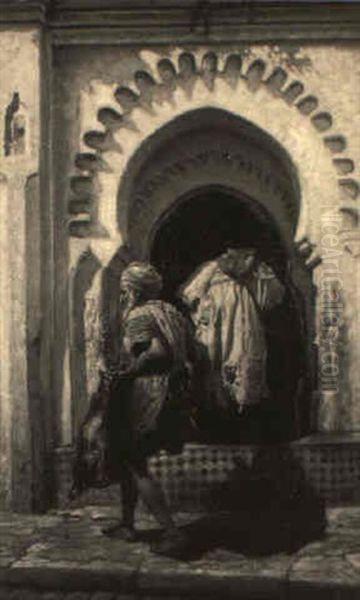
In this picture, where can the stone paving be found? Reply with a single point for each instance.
(65, 556)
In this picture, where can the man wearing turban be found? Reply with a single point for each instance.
(228, 298)
(148, 404)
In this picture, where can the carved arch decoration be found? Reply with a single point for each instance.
(163, 173)
(169, 88)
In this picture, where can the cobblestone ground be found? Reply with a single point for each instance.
(65, 556)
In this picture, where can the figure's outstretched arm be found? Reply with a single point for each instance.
(148, 357)
(195, 287)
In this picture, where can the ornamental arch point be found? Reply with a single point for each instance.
(260, 93)
(182, 156)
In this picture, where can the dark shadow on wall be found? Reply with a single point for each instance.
(107, 313)
(110, 305)
(81, 282)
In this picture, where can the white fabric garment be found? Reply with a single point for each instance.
(227, 318)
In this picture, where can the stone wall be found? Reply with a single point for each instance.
(20, 256)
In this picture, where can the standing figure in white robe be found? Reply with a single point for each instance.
(227, 299)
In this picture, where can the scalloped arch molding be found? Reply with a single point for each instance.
(257, 91)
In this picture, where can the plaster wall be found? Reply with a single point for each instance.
(19, 73)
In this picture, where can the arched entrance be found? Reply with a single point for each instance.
(206, 181)
(202, 148)
(198, 228)
(202, 224)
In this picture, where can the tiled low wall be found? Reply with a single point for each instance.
(202, 475)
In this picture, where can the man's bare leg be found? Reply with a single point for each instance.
(129, 496)
(173, 541)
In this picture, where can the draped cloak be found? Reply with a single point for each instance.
(227, 315)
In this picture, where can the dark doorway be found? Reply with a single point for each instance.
(198, 229)
(202, 226)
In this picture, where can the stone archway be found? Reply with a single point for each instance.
(208, 150)
(201, 225)
(202, 148)
(246, 86)
(198, 228)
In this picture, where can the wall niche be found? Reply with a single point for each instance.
(15, 130)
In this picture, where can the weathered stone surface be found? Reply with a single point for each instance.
(353, 559)
(66, 557)
(324, 569)
(76, 554)
(15, 534)
(345, 519)
(332, 546)
(20, 130)
(220, 572)
(105, 596)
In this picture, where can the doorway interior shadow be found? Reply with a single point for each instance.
(198, 228)
(202, 225)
